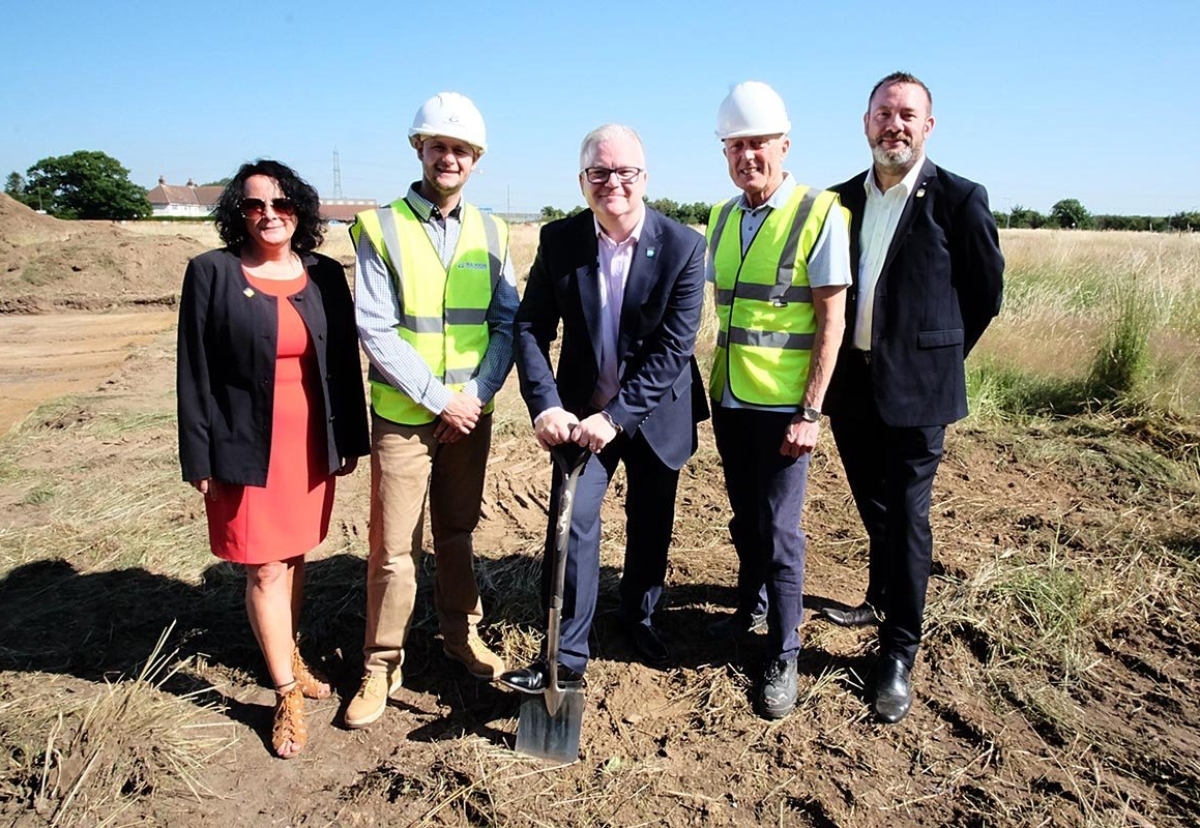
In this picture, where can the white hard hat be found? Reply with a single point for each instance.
(752, 108)
(452, 115)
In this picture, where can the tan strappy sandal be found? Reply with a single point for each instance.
(312, 683)
(289, 725)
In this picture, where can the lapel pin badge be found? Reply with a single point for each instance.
(921, 193)
(248, 292)
(649, 252)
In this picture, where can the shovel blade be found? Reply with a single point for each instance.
(552, 737)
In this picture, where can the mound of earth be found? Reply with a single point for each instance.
(50, 264)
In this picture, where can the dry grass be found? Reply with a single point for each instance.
(88, 760)
(1066, 292)
(1054, 687)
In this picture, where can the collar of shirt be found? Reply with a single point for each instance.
(425, 209)
(904, 187)
(778, 198)
(633, 237)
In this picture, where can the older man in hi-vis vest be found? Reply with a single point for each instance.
(780, 263)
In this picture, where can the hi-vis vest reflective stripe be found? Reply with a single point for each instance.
(443, 311)
(764, 301)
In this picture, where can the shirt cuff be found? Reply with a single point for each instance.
(549, 410)
(436, 397)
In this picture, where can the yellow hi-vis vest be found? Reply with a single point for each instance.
(764, 301)
(443, 311)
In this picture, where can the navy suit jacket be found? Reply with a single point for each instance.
(941, 285)
(661, 396)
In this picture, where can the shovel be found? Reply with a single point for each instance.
(550, 722)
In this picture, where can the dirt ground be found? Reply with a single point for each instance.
(102, 548)
(49, 356)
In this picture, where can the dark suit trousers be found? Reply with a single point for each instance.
(766, 493)
(649, 516)
(890, 471)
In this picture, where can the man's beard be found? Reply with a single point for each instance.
(896, 160)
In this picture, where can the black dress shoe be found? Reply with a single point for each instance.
(893, 690)
(737, 625)
(536, 677)
(861, 616)
(651, 649)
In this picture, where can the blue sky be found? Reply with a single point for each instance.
(1037, 100)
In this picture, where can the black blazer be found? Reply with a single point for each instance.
(226, 368)
(661, 395)
(941, 285)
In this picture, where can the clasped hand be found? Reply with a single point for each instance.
(458, 418)
(557, 427)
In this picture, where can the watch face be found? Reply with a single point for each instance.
(811, 415)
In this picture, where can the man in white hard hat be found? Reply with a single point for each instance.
(779, 260)
(627, 284)
(929, 281)
(435, 298)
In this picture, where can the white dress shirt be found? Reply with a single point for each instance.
(880, 217)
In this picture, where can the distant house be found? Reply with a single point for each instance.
(196, 201)
(188, 200)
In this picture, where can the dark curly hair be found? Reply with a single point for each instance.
(310, 229)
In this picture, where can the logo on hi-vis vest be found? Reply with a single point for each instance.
(473, 265)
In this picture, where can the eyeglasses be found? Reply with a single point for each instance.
(253, 208)
(600, 175)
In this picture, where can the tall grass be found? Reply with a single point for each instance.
(1092, 320)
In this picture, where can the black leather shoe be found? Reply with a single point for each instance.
(893, 690)
(737, 625)
(648, 644)
(778, 695)
(536, 677)
(863, 615)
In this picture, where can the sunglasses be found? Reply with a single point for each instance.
(253, 208)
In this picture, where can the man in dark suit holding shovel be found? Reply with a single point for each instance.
(627, 284)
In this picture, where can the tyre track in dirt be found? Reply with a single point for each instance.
(46, 356)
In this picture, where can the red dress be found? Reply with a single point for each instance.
(290, 515)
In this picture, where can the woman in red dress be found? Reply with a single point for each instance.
(271, 407)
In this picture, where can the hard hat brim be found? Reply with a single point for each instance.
(748, 133)
(416, 135)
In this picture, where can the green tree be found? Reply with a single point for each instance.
(86, 184)
(700, 212)
(14, 186)
(1189, 221)
(665, 206)
(1070, 213)
(551, 213)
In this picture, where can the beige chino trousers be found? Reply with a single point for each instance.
(406, 464)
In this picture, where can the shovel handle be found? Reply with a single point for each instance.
(570, 460)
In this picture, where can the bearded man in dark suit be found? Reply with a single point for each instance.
(928, 280)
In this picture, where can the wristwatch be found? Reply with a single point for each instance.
(810, 415)
(608, 419)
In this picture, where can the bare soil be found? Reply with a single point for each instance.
(49, 356)
(103, 548)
